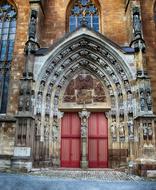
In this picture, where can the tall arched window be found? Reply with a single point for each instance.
(7, 37)
(84, 9)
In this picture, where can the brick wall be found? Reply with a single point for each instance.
(18, 59)
(113, 20)
(149, 31)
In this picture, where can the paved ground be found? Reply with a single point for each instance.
(100, 174)
(29, 182)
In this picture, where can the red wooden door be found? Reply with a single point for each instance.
(70, 140)
(98, 141)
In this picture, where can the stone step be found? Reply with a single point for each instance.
(151, 174)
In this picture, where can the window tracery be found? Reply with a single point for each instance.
(84, 9)
(7, 37)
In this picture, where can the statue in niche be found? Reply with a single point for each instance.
(136, 21)
(41, 88)
(149, 100)
(122, 132)
(118, 86)
(145, 131)
(113, 101)
(120, 100)
(20, 103)
(122, 128)
(130, 129)
(46, 127)
(39, 103)
(142, 100)
(47, 111)
(110, 90)
(114, 131)
(55, 129)
(150, 131)
(108, 69)
(129, 102)
(27, 103)
(32, 25)
(114, 78)
(126, 84)
(38, 127)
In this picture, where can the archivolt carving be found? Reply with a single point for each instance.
(99, 61)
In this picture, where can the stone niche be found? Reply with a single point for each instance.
(84, 89)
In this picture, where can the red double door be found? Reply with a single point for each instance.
(71, 140)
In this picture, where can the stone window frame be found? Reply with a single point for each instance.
(68, 11)
(8, 21)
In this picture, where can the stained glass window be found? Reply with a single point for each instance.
(7, 38)
(84, 9)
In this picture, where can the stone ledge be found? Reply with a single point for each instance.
(151, 174)
(7, 118)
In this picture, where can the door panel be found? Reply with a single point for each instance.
(75, 152)
(102, 146)
(70, 140)
(98, 141)
(65, 151)
(102, 125)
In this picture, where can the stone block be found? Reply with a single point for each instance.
(22, 151)
(151, 174)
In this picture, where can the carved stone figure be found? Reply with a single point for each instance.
(111, 90)
(113, 132)
(46, 128)
(130, 129)
(47, 110)
(55, 130)
(32, 25)
(38, 127)
(27, 103)
(149, 100)
(145, 131)
(20, 107)
(115, 79)
(39, 103)
(41, 88)
(142, 100)
(84, 122)
(150, 131)
(108, 69)
(121, 132)
(120, 100)
(136, 21)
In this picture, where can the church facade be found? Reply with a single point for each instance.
(77, 84)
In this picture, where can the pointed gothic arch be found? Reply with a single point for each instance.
(84, 50)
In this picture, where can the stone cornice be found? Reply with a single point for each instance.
(7, 118)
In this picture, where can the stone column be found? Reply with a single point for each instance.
(84, 114)
(56, 140)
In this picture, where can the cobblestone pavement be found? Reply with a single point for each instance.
(104, 175)
(29, 182)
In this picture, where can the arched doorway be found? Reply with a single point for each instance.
(90, 69)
